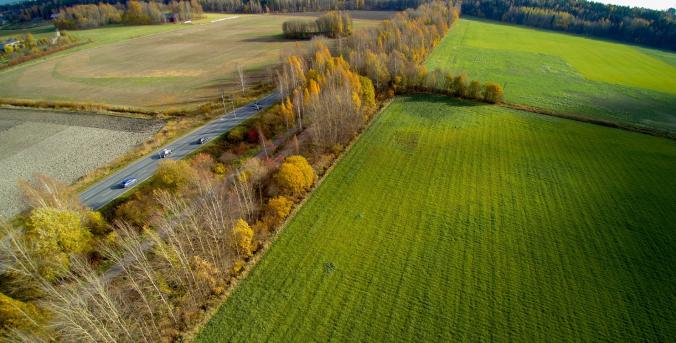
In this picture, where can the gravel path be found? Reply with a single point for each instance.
(63, 145)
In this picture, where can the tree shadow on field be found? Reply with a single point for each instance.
(267, 39)
(443, 99)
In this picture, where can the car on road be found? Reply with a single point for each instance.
(203, 140)
(257, 106)
(165, 152)
(126, 183)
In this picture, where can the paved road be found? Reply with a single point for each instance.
(108, 189)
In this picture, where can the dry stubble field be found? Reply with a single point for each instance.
(174, 69)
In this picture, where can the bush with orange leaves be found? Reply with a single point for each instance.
(279, 208)
(295, 176)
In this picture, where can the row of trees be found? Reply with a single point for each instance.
(264, 6)
(133, 13)
(331, 24)
(635, 25)
(323, 95)
(31, 48)
(26, 11)
(392, 54)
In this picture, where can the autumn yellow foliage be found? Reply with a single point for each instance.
(17, 314)
(243, 237)
(295, 175)
(280, 207)
(174, 175)
(54, 234)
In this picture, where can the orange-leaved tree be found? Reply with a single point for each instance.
(295, 175)
(243, 237)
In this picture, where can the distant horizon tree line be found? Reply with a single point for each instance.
(633, 25)
(133, 13)
(46, 9)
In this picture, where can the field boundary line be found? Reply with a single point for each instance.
(592, 120)
(251, 265)
(222, 19)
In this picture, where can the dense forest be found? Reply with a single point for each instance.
(634, 25)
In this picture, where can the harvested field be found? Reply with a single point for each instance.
(357, 15)
(177, 69)
(62, 145)
(452, 221)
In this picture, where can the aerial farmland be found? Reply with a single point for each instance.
(311, 171)
(454, 221)
(181, 68)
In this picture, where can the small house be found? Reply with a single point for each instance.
(14, 43)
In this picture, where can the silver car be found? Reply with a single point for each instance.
(165, 152)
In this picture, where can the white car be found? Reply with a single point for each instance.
(165, 152)
(126, 183)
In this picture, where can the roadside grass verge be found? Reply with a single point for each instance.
(454, 221)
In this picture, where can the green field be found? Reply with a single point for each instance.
(565, 73)
(450, 221)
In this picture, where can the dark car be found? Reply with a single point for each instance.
(126, 183)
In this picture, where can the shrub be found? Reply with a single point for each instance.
(237, 266)
(236, 135)
(207, 274)
(174, 175)
(493, 93)
(137, 210)
(203, 162)
(474, 90)
(295, 175)
(54, 234)
(220, 169)
(95, 222)
(279, 208)
(243, 237)
(252, 135)
(459, 85)
(301, 163)
(17, 314)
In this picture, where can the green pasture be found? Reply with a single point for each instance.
(451, 221)
(565, 73)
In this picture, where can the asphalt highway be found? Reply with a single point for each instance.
(106, 190)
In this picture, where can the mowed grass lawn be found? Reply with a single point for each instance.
(565, 73)
(178, 69)
(451, 222)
